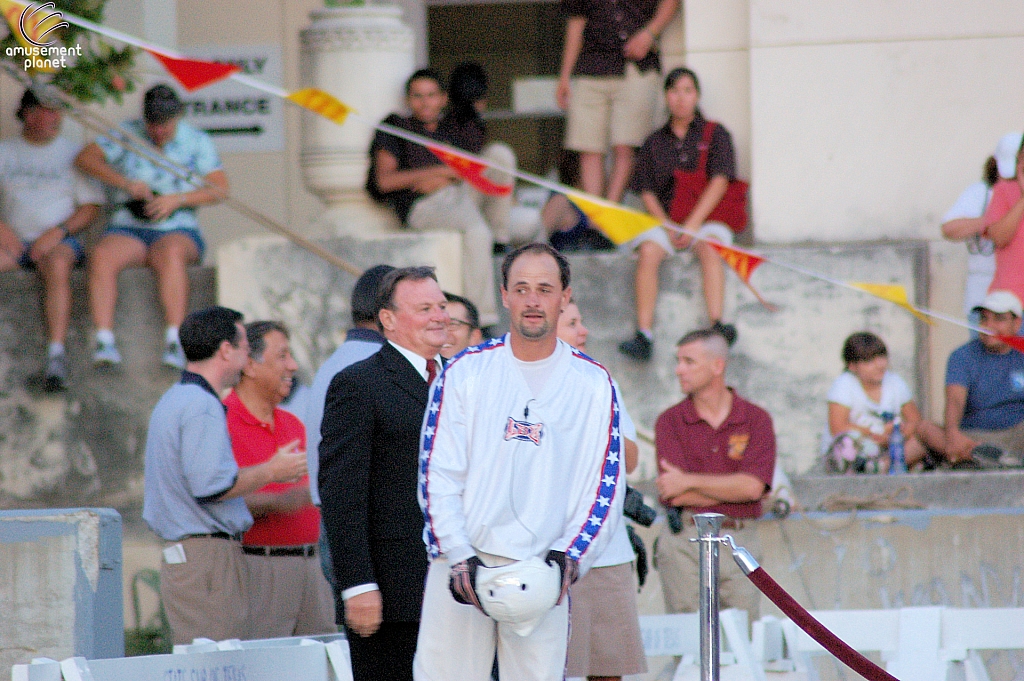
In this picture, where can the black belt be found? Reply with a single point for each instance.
(215, 535)
(306, 551)
(678, 516)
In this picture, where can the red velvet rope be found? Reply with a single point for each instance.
(816, 630)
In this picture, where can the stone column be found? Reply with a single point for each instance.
(362, 55)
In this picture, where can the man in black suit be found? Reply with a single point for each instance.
(369, 456)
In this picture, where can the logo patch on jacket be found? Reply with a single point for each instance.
(521, 430)
(737, 445)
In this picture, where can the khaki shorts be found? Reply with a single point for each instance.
(1011, 439)
(604, 637)
(611, 110)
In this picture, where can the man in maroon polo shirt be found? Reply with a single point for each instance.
(716, 454)
(288, 594)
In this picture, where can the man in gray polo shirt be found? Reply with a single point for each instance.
(194, 488)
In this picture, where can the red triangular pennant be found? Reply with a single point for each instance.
(194, 74)
(743, 264)
(471, 171)
(1015, 342)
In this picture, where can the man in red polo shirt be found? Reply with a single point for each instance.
(716, 454)
(288, 593)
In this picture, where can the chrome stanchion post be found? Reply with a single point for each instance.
(709, 526)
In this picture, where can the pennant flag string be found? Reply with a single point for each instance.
(620, 223)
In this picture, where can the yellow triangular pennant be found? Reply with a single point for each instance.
(619, 224)
(321, 103)
(894, 293)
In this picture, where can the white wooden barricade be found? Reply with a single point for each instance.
(265, 660)
(41, 669)
(915, 644)
(679, 635)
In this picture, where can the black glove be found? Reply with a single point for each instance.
(641, 555)
(462, 582)
(569, 569)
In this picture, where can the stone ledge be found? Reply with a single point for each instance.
(1002, 489)
(83, 447)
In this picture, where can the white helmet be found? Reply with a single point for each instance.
(519, 594)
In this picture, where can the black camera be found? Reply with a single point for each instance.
(674, 518)
(634, 508)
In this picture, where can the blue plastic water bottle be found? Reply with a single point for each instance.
(897, 462)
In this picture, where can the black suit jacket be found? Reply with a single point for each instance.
(369, 458)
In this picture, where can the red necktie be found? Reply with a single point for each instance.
(431, 371)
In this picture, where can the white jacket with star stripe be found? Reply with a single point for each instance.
(508, 473)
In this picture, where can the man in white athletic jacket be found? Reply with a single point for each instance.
(520, 466)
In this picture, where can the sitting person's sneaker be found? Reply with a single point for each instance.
(55, 377)
(993, 456)
(727, 331)
(174, 356)
(966, 465)
(932, 461)
(639, 347)
(106, 355)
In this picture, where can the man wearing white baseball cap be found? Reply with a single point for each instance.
(985, 393)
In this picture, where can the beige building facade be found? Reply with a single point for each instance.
(854, 121)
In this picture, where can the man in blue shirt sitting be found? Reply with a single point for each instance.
(985, 393)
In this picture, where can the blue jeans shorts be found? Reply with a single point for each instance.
(150, 236)
(76, 246)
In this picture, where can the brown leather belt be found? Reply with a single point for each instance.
(305, 551)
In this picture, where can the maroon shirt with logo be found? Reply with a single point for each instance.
(744, 443)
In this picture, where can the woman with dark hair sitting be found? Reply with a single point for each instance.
(463, 126)
(683, 144)
(864, 404)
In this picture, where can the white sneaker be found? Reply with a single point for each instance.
(106, 355)
(174, 356)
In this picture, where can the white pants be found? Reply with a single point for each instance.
(456, 208)
(497, 210)
(457, 642)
